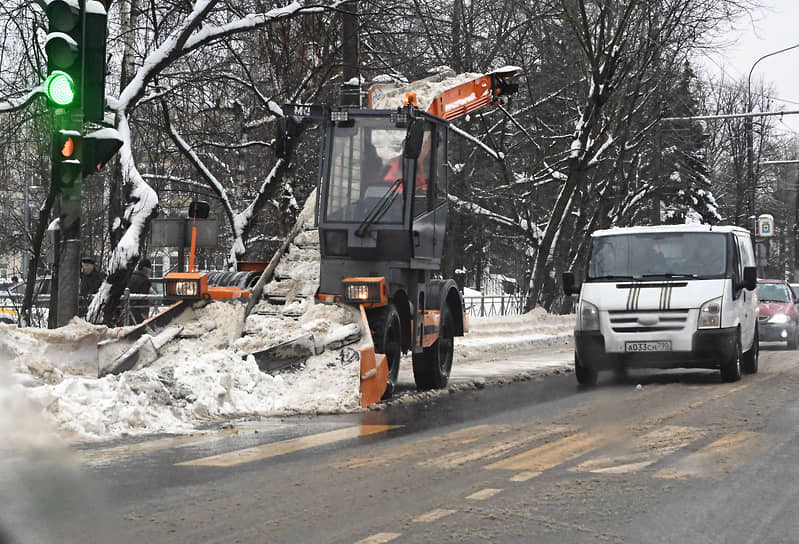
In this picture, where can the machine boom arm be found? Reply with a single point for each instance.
(448, 96)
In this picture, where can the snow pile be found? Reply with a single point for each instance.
(199, 379)
(46, 354)
(492, 336)
(427, 89)
(48, 389)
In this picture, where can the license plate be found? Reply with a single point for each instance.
(644, 347)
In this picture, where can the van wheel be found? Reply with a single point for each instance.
(586, 376)
(751, 357)
(620, 373)
(731, 370)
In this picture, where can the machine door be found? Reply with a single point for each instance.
(429, 201)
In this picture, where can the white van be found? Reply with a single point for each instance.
(680, 296)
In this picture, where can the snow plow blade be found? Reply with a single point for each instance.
(286, 356)
(374, 369)
(140, 345)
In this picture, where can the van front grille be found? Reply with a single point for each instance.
(634, 322)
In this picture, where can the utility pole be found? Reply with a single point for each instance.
(26, 212)
(350, 93)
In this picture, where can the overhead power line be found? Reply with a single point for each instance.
(730, 116)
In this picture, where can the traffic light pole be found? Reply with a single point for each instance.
(75, 87)
(68, 181)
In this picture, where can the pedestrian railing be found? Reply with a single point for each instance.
(494, 305)
(133, 309)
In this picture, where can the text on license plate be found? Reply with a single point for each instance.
(641, 347)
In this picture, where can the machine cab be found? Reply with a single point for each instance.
(382, 194)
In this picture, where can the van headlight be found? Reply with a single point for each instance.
(587, 317)
(710, 314)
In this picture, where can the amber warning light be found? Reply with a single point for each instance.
(410, 99)
(68, 148)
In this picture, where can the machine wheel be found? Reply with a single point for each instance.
(731, 369)
(751, 357)
(387, 334)
(585, 376)
(431, 368)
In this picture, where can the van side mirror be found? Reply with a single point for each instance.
(750, 278)
(570, 285)
(413, 139)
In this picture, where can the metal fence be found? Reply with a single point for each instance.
(494, 305)
(133, 307)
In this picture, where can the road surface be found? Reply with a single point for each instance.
(663, 457)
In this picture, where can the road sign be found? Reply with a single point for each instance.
(765, 225)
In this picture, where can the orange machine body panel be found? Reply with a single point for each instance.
(374, 368)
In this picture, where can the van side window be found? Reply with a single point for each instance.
(737, 258)
(745, 250)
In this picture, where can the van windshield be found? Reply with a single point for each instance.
(644, 255)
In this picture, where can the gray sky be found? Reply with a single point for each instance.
(769, 30)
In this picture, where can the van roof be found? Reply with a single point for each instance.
(692, 227)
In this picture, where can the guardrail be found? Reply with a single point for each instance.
(494, 305)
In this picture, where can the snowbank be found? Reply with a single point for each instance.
(48, 388)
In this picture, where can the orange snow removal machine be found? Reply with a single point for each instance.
(382, 211)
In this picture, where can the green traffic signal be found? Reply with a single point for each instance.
(60, 88)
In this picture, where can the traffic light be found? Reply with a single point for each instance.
(66, 160)
(76, 49)
(97, 149)
(93, 63)
(65, 34)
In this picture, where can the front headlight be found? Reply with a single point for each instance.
(370, 291)
(587, 317)
(778, 319)
(710, 314)
(186, 288)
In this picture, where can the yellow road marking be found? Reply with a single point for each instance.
(433, 515)
(126, 450)
(495, 449)
(719, 458)
(265, 451)
(549, 455)
(642, 451)
(379, 538)
(427, 447)
(98, 456)
(483, 494)
(524, 476)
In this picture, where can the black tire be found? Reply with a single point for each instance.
(792, 342)
(752, 357)
(432, 367)
(387, 335)
(731, 369)
(620, 373)
(586, 376)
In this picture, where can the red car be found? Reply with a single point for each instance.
(778, 317)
